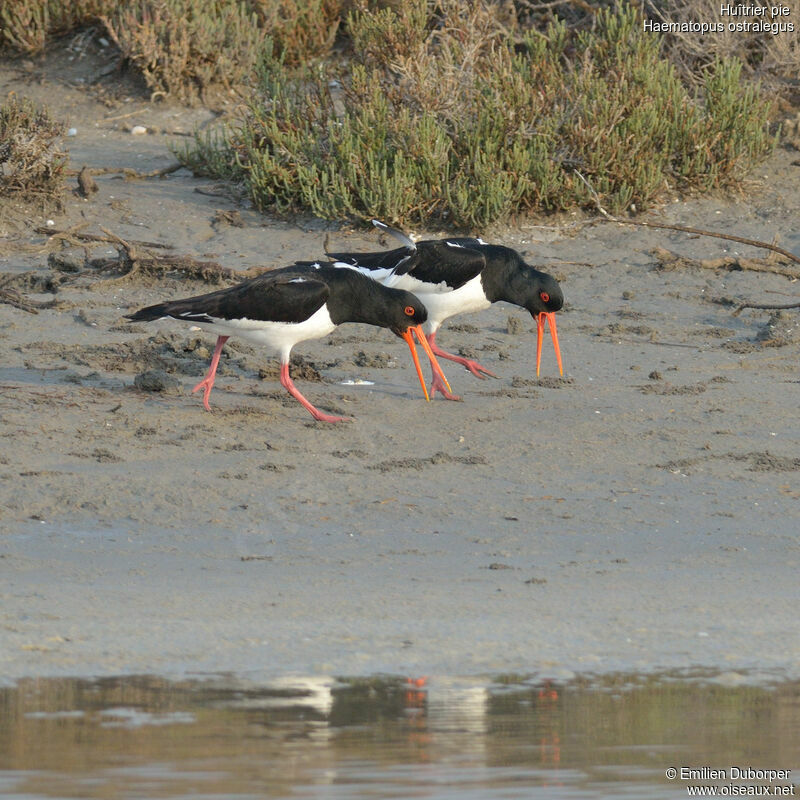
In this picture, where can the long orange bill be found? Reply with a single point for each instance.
(410, 342)
(423, 340)
(551, 318)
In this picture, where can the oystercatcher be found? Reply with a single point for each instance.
(285, 306)
(458, 275)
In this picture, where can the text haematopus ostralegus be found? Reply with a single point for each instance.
(457, 275)
(282, 307)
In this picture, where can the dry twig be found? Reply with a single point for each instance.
(700, 232)
(696, 231)
(12, 297)
(73, 233)
(128, 173)
(670, 260)
(772, 306)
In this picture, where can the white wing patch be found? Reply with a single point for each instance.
(385, 275)
(345, 265)
(301, 280)
(403, 237)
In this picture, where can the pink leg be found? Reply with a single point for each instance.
(439, 382)
(437, 385)
(208, 382)
(294, 392)
(473, 366)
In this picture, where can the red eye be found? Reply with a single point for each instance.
(545, 297)
(409, 310)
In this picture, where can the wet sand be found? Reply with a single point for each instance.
(639, 514)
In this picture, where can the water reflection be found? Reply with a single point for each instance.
(386, 737)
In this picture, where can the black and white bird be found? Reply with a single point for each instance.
(282, 307)
(458, 275)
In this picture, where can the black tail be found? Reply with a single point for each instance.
(150, 313)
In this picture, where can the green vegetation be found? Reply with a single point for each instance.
(435, 110)
(31, 161)
(26, 25)
(461, 120)
(181, 47)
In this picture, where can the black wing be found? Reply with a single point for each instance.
(287, 295)
(400, 261)
(434, 261)
(451, 261)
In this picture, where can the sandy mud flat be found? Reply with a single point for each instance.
(641, 513)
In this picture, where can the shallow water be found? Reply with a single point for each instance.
(321, 737)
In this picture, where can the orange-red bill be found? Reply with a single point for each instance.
(410, 342)
(551, 319)
(423, 340)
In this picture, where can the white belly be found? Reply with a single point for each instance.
(279, 337)
(441, 301)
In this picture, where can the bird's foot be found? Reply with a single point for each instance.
(437, 385)
(476, 369)
(206, 385)
(321, 417)
(473, 366)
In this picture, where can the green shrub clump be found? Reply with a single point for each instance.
(31, 159)
(450, 113)
(26, 25)
(182, 48)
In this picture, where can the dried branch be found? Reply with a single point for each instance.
(72, 233)
(741, 307)
(131, 256)
(670, 260)
(696, 231)
(128, 172)
(700, 232)
(13, 298)
(155, 265)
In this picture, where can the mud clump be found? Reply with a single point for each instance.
(671, 389)
(156, 380)
(437, 458)
(617, 328)
(514, 326)
(299, 369)
(67, 261)
(766, 462)
(781, 328)
(741, 348)
(554, 383)
(374, 360)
